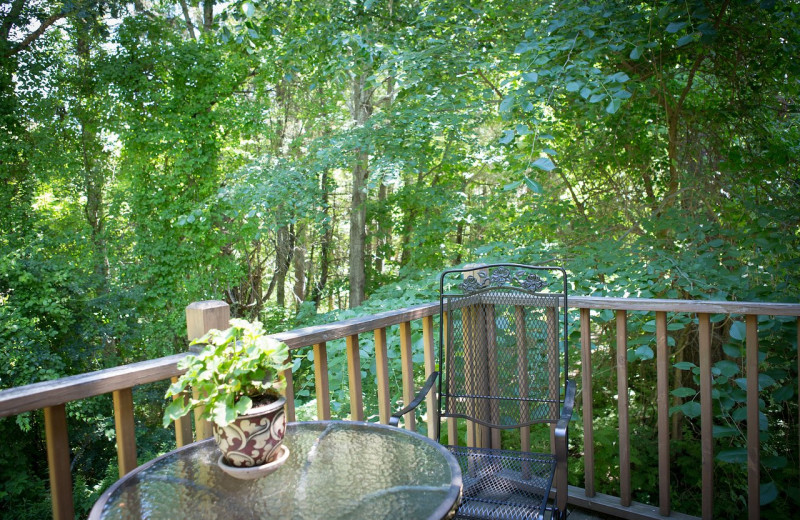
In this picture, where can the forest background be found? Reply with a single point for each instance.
(311, 161)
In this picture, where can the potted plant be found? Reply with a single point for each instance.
(239, 378)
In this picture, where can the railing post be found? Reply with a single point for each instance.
(200, 318)
(662, 399)
(183, 425)
(586, 402)
(125, 430)
(321, 381)
(55, 426)
(354, 378)
(753, 443)
(706, 417)
(289, 393)
(407, 372)
(622, 407)
(431, 401)
(382, 368)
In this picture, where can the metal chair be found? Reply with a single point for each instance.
(502, 337)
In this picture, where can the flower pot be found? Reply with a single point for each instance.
(252, 439)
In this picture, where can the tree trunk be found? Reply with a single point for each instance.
(93, 171)
(283, 258)
(299, 261)
(360, 109)
(188, 19)
(325, 245)
(208, 15)
(382, 232)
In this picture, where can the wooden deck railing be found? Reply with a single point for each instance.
(53, 395)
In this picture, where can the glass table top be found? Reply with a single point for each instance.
(335, 470)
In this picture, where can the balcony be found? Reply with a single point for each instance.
(600, 333)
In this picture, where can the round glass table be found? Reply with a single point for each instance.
(335, 469)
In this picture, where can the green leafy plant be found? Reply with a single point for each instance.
(237, 366)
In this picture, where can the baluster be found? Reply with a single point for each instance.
(452, 422)
(706, 417)
(662, 397)
(183, 425)
(382, 366)
(753, 455)
(408, 373)
(55, 426)
(289, 407)
(321, 381)
(430, 367)
(354, 377)
(586, 402)
(125, 430)
(622, 406)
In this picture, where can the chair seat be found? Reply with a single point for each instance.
(501, 484)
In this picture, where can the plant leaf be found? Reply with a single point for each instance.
(674, 27)
(573, 86)
(544, 163)
(738, 330)
(733, 455)
(532, 185)
(684, 392)
(613, 106)
(767, 492)
(508, 136)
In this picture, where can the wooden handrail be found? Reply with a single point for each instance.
(688, 306)
(322, 333)
(73, 388)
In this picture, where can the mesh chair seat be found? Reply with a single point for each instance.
(503, 484)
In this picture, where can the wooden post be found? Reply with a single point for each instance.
(125, 430)
(753, 442)
(622, 407)
(289, 392)
(206, 315)
(201, 317)
(382, 368)
(494, 377)
(706, 417)
(430, 366)
(408, 373)
(520, 331)
(55, 426)
(553, 373)
(354, 377)
(586, 402)
(452, 424)
(321, 381)
(662, 399)
(183, 425)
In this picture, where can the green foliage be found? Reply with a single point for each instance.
(236, 365)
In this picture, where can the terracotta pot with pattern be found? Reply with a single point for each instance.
(253, 439)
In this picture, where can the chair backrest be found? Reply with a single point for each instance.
(503, 344)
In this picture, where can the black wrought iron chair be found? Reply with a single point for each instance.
(503, 365)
